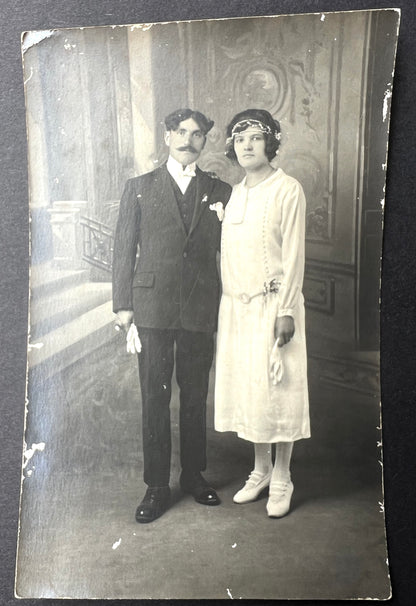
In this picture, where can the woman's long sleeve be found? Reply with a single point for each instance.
(293, 249)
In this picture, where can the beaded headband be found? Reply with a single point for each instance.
(244, 124)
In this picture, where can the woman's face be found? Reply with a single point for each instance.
(249, 147)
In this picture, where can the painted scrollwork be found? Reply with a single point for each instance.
(263, 84)
(292, 75)
(308, 170)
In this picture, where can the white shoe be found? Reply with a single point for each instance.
(252, 488)
(280, 494)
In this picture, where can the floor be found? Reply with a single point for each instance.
(79, 538)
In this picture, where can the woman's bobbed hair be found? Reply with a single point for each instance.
(272, 138)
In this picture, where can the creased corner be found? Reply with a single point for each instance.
(30, 39)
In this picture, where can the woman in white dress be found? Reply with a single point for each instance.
(261, 389)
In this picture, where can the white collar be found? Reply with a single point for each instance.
(176, 170)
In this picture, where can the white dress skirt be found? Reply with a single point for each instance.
(263, 239)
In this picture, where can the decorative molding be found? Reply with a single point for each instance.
(319, 293)
(329, 267)
(349, 374)
(333, 117)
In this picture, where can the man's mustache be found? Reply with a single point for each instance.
(187, 148)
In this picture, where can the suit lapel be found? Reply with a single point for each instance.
(204, 187)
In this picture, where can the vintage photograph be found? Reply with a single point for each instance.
(203, 412)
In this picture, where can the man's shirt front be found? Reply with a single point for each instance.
(182, 176)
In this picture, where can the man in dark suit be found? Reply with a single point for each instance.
(171, 293)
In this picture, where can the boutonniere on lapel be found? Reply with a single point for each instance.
(219, 209)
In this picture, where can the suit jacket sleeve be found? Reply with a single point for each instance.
(125, 248)
(225, 194)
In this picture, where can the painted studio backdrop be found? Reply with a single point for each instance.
(96, 99)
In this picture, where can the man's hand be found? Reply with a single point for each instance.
(124, 318)
(284, 329)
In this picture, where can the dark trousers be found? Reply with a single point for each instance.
(194, 353)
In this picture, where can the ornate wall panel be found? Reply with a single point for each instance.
(292, 68)
(329, 291)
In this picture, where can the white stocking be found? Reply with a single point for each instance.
(262, 458)
(281, 469)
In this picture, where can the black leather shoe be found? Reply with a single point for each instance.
(193, 483)
(155, 503)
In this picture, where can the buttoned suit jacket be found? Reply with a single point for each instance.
(173, 279)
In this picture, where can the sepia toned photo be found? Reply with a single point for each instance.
(203, 413)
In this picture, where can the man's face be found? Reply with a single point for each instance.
(186, 143)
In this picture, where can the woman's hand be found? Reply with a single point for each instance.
(284, 329)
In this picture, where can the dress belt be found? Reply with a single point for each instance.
(271, 287)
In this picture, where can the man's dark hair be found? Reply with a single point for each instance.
(263, 116)
(175, 118)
